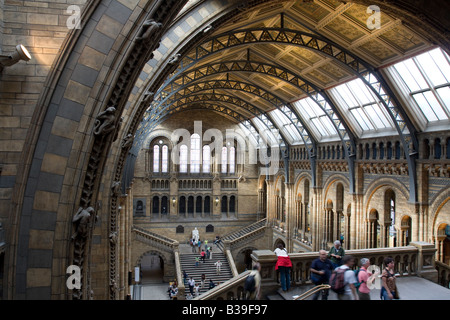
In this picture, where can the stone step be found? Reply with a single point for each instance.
(187, 261)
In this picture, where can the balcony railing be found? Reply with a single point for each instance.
(443, 274)
(417, 259)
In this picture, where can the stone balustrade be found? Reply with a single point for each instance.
(416, 259)
(443, 274)
(155, 240)
(232, 289)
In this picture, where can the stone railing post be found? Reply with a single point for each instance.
(179, 276)
(267, 259)
(426, 260)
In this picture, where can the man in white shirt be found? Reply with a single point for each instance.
(191, 283)
(350, 292)
(218, 264)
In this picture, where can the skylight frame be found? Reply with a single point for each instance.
(427, 96)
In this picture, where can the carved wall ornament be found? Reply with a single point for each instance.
(174, 59)
(149, 27)
(438, 170)
(127, 142)
(148, 97)
(115, 188)
(208, 28)
(81, 220)
(113, 237)
(385, 168)
(104, 122)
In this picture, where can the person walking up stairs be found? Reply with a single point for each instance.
(207, 267)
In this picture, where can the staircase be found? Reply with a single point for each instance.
(187, 261)
(242, 232)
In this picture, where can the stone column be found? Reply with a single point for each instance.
(352, 224)
(290, 215)
(271, 205)
(316, 230)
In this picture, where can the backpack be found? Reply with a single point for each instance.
(337, 282)
(358, 283)
(249, 285)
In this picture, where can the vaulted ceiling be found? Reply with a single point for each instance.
(269, 56)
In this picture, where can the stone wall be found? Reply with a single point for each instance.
(143, 189)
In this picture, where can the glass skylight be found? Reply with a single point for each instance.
(361, 105)
(320, 123)
(270, 136)
(426, 78)
(286, 126)
(250, 132)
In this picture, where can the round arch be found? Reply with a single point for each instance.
(277, 242)
(120, 62)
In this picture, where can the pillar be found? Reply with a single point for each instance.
(290, 215)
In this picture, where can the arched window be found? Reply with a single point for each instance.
(437, 148)
(448, 148)
(389, 150)
(232, 160)
(206, 159)
(195, 153)
(156, 158)
(183, 158)
(165, 159)
(224, 160)
(389, 207)
(397, 150)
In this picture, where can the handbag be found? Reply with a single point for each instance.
(396, 294)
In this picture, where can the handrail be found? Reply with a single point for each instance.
(311, 291)
(181, 287)
(231, 263)
(154, 236)
(250, 225)
(231, 242)
(224, 287)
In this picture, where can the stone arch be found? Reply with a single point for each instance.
(277, 242)
(436, 209)
(405, 229)
(243, 258)
(335, 178)
(392, 183)
(299, 179)
(154, 252)
(77, 150)
(79, 103)
(159, 133)
(168, 272)
(439, 226)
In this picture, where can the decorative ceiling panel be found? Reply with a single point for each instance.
(311, 10)
(376, 49)
(340, 27)
(402, 39)
(334, 71)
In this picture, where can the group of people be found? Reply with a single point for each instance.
(356, 283)
(194, 287)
